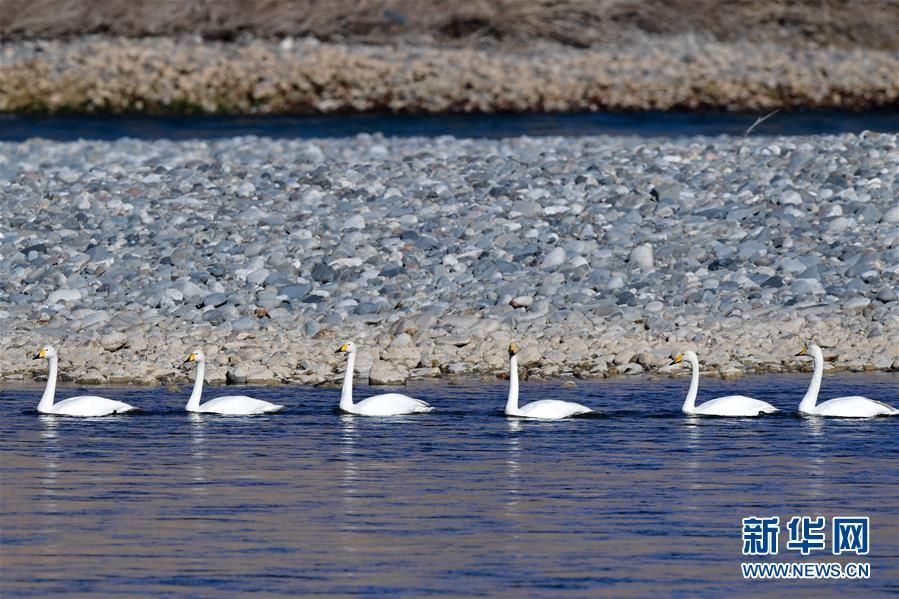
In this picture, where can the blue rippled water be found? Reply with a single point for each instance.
(641, 501)
(645, 124)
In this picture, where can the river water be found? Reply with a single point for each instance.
(463, 501)
(645, 124)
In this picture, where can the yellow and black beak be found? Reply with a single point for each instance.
(190, 358)
(513, 349)
(803, 351)
(343, 348)
(41, 354)
(677, 359)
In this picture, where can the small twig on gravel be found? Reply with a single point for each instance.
(761, 120)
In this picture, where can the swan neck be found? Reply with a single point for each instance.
(690, 401)
(512, 402)
(50, 390)
(346, 394)
(193, 404)
(811, 396)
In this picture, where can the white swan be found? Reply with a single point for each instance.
(387, 404)
(228, 405)
(731, 405)
(547, 409)
(853, 406)
(83, 405)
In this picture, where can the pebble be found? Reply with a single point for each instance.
(553, 259)
(215, 299)
(522, 301)
(642, 257)
(385, 373)
(790, 198)
(64, 295)
(354, 222)
(113, 341)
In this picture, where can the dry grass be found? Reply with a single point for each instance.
(171, 75)
(859, 23)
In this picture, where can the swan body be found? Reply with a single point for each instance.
(227, 405)
(386, 404)
(730, 405)
(88, 405)
(853, 406)
(546, 409)
(82, 405)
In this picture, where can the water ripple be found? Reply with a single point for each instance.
(463, 501)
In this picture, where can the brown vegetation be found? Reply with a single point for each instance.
(165, 75)
(844, 23)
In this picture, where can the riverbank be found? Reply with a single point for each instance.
(188, 75)
(599, 256)
(434, 57)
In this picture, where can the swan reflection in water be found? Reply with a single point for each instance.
(49, 483)
(815, 463)
(694, 443)
(198, 452)
(50, 437)
(513, 468)
(349, 481)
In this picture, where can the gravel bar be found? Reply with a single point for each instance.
(599, 256)
(305, 76)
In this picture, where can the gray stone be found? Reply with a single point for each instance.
(856, 303)
(655, 307)
(887, 295)
(63, 296)
(311, 328)
(790, 198)
(354, 222)
(258, 276)
(666, 193)
(641, 256)
(295, 292)
(323, 273)
(215, 300)
(522, 301)
(385, 373)
(655, 358)
(249, 373)
(245, 323)
(792, 265)
(113, 341)
(553, 259)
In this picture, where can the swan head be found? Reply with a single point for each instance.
(513, 349)
(347, 348)
(686, 358)
(811, 350)
(195, 356)
(46, 352)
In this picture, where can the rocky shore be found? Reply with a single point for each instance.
(186, 74)
(599, 256)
